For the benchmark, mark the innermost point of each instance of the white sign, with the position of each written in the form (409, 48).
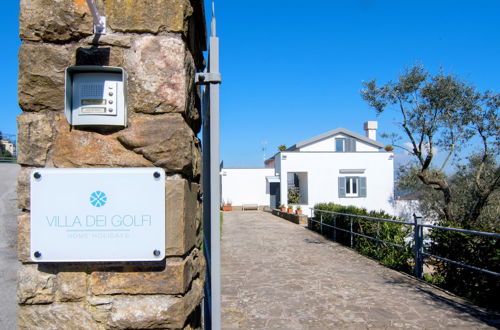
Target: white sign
(101, 214)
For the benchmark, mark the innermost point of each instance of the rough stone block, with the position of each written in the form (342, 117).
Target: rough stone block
(56, 316)
(100, 306)
(162, 311)
(151, 16)
(54, 21)
(182, 216)
(34, 286)
(175, 278)
(36, 136)
(71, 286)
(166, 140)
(115, 39)
(193, 103)
(76, 148)
(158, 79)
(23, 188)
(41, 75)
(23, 238)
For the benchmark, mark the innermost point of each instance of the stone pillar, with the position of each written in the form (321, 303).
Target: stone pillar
(159, 43)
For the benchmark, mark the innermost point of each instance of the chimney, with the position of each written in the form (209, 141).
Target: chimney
(371, 129)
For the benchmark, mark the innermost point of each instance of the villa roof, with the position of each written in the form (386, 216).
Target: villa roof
(326, 135)
(331, 133)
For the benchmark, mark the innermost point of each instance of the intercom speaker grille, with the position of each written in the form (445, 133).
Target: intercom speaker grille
(92, 90)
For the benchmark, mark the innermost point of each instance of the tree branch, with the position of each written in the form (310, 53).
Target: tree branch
(416, 152)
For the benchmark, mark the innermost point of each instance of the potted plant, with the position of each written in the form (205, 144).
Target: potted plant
(282, 147)
(298, 210)
(283, 208)
(227, 206)
(389, 148)
(290, 209)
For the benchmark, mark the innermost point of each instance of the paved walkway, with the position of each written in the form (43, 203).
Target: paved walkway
(276, 274)
(8, 245)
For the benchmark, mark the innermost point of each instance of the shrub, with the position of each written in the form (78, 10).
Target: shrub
(394, 257)
(294, 195)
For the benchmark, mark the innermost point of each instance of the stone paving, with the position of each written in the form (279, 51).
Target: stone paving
(276, 274)
(8, 245)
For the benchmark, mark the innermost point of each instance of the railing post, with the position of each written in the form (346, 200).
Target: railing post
(419, 266)
(378, 242)
(334, 227)
(351, 233)
(321, 222)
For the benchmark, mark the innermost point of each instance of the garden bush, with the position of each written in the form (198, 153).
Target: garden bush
(394, 257)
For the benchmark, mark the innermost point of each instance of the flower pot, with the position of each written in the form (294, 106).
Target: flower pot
(299, 211)
(227, 208)
(283, 209)
(290, 210)
(389, 148)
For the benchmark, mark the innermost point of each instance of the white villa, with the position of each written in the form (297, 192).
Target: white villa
(339, 166)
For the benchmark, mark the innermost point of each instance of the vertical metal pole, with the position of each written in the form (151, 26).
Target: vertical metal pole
(351, 233)
(211, 187)
(378, 242)
(334, 228)
(419, 266)
(207, 303)
(215, 183)
(321, 222)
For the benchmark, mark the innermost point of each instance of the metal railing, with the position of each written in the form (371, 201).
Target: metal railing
(8, 160)
(418, 237)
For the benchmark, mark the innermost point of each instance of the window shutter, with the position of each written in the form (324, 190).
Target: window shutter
(350, 145)
(362, 186)
(341, 187)
(339, 145)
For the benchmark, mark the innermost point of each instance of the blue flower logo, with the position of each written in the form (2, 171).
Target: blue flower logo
(98, 198)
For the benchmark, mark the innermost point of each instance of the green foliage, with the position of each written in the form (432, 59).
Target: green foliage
(478, 251)
(282, 147)
(6, 153)
(444, 112)
(394, 257)
(294, 195)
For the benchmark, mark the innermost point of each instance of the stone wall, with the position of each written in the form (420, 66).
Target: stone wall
(159, 44)
(300, 219)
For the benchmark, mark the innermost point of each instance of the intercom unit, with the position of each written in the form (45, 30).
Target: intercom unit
(96, 96)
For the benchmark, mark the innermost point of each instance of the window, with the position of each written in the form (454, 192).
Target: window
(352, 186)
(297, 188)
(339, 145)
(345, 145)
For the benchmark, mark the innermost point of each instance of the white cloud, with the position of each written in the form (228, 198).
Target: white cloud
(425, 148)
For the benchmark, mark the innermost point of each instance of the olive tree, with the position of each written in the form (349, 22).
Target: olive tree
(442, 112)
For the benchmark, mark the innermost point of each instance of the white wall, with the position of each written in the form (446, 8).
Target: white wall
(323, 171)
(245, 185)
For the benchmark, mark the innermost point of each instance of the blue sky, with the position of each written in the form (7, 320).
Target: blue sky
(293, 69)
